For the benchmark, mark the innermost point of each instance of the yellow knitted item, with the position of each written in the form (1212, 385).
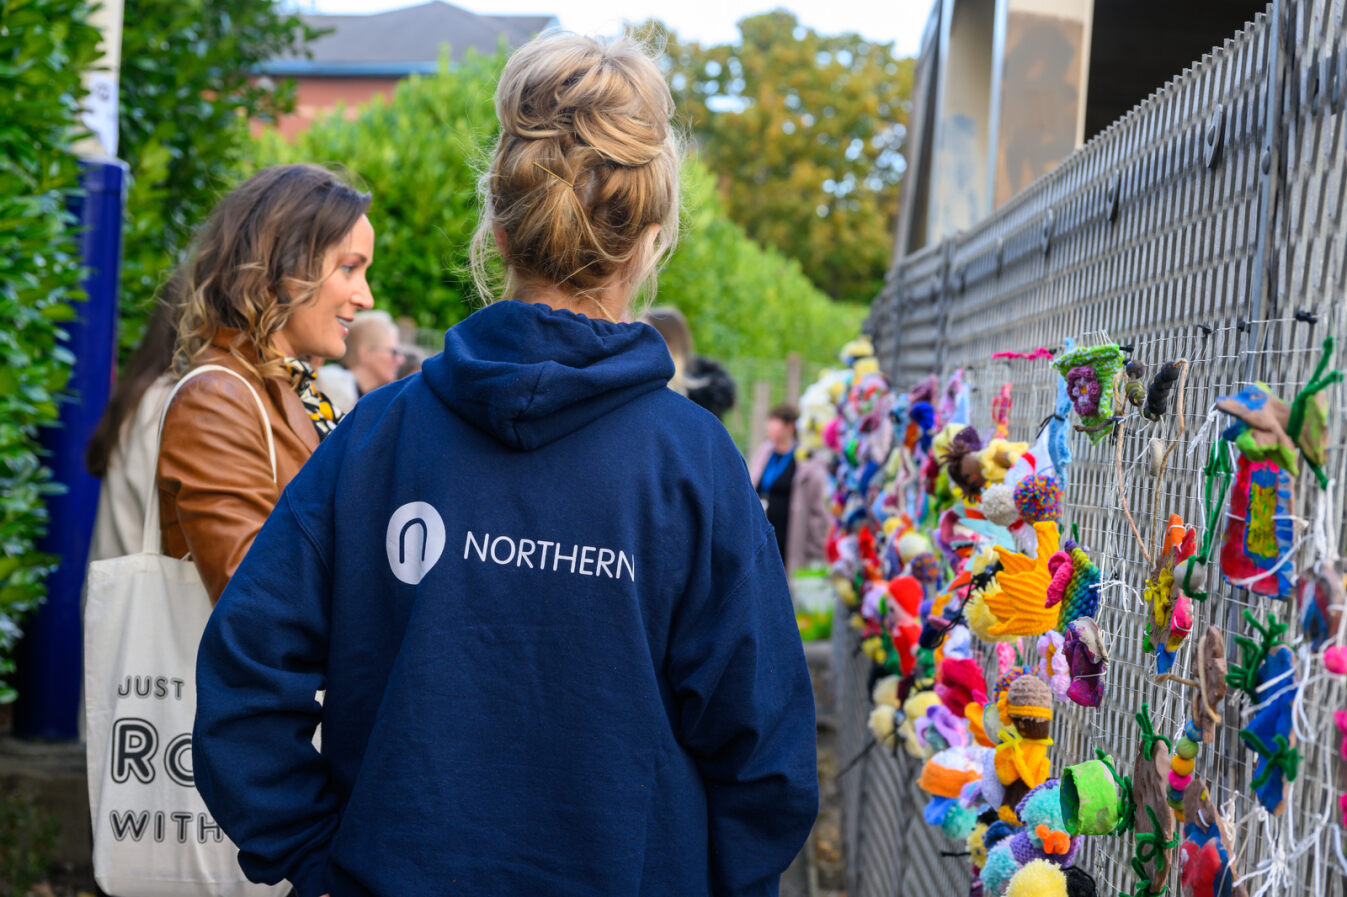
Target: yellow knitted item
(1037, 878)
(1024, 587)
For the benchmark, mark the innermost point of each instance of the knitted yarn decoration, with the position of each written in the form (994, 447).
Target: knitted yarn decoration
(1082, 591)
(1039, 498)
(1089, 372)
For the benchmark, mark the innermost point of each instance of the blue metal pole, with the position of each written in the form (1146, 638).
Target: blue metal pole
(50, 656)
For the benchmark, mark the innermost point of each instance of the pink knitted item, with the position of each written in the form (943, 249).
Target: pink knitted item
(1060, 566)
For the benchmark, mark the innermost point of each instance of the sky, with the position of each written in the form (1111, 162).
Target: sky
(707, 21)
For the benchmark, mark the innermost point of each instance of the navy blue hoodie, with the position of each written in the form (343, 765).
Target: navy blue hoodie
(553, 629)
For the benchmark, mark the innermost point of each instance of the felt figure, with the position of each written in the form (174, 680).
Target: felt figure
(1001, 412)
(1266, 674)
(1259, 429)
(1154, 820)
(963, 464)
(1270, 733)
(1090, 372)
(1307, 424)
(1170, 618)
(1021, 760)
(1322, 597)
(1259, 532)
(1089, 799)
(998, 457)
(1053, 666)
(1208, 870)
(1086, 661)
(1019, 602)
(1212, 687)
(1038, 878)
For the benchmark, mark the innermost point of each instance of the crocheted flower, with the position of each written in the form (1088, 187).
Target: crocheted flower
(1082, 385)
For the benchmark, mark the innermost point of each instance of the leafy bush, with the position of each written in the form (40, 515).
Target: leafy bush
(188, 94)
(44, 46)
(420, 154)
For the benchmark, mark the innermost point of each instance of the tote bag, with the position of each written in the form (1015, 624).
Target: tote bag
(153, 836)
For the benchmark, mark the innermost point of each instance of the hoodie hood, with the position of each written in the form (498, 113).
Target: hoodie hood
(529, 374)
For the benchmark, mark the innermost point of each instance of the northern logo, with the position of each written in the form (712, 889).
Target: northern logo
(415, 541)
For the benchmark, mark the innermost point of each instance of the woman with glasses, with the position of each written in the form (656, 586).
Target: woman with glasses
(372, 359)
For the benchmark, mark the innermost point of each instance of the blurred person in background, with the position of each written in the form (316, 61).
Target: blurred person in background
(124, 447)
(704, 381)
(373, 357)
(412, 357)
(793, 491)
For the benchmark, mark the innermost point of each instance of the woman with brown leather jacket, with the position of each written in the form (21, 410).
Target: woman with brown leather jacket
(276, 275)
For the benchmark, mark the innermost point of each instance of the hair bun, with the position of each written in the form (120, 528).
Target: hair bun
(608, 98)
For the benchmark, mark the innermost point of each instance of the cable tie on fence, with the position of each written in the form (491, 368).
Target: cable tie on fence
(1307, 317)
(858, 758)
(1206, 330)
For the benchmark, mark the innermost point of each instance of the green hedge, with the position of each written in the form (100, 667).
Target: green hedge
(420, 154)
(44, 47)
(188, 95)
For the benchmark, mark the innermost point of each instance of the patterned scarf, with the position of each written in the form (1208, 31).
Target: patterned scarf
(321, 411)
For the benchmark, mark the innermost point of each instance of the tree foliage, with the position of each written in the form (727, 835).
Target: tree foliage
(188, 94)
(44, 48)
(804, 131)
(420, 154)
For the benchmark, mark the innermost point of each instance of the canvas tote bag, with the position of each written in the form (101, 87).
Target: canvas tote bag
(153, 836)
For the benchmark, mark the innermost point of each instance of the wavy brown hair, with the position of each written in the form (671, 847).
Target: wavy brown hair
(586, 164)
(259, 257)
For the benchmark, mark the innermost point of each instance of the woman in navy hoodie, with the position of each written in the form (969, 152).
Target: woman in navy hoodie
(536, 585)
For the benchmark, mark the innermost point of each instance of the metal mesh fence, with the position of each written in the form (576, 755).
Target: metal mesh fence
(1206, 225)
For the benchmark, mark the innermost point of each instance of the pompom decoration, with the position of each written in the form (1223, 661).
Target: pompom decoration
(959, 821)
(926, 568)
(1000, 868)
(1039, 499)
(883, 724)
(998, 504)
(1037, 879)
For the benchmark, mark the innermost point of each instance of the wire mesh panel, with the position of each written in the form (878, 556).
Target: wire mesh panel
(1206, 227)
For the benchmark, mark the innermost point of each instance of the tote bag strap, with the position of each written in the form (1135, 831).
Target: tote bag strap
(152, 538)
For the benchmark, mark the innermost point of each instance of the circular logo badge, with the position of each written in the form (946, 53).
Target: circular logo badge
(415, 541)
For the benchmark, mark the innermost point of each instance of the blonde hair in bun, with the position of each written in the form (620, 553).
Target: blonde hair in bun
(584, 178)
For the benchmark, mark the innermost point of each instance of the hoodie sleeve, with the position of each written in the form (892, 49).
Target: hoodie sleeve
(259, 667)
(745, 706)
